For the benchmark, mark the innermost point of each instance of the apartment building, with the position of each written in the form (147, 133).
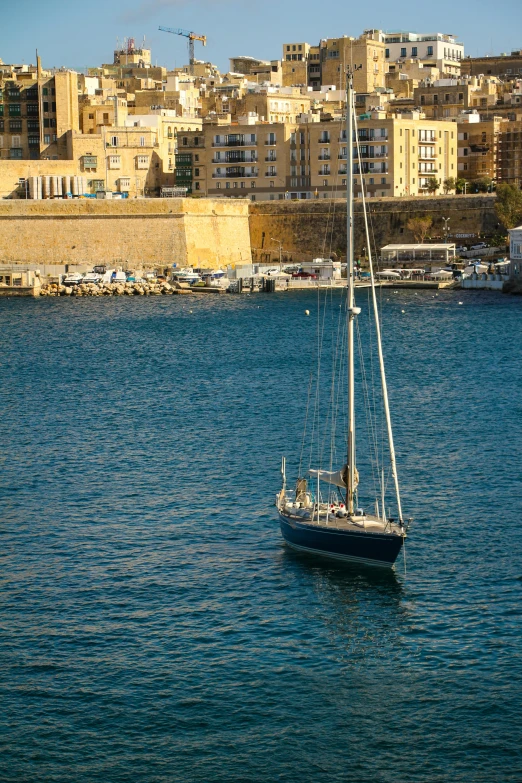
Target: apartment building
(270, 161)
(36, 110)
(439, 50)
(296, 61)
(325, 64)
(394, 156)
(477, 144)
(503, 66)
(509, 162)
(366, 54)
(447, 98)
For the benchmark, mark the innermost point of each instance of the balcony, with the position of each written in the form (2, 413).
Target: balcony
(240, 175)
(428, 156)
(324, 157)
(324, 173)
(270, 160)
(271, 143)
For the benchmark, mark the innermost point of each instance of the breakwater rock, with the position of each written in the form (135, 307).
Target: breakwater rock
(152, 288)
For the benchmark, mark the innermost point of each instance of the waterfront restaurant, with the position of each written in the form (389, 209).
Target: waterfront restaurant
(425, 254)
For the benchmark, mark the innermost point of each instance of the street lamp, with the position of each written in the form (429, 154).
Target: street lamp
(446, 228)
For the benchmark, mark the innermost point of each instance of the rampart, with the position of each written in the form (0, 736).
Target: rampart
(136, 232)
(311, 229)
(217, 232)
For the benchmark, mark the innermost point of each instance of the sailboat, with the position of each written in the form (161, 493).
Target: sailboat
(322, 516)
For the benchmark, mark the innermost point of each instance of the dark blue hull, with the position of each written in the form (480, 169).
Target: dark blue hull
(376, 549)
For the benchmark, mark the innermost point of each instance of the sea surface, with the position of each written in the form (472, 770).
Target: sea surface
(153, 626)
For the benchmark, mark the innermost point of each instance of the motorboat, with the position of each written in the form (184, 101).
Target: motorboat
(92, 277)
(74, 278)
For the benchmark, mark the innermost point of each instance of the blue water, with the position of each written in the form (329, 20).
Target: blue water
(153, 625)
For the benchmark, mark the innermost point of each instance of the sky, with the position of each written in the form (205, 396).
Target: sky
(78, 34)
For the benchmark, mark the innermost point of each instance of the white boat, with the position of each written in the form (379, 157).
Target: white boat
(323, 515)
(186, 275)
(92, 277)
(118, 276)
(75, 278)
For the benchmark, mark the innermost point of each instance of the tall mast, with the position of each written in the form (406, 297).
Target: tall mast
(351, 310)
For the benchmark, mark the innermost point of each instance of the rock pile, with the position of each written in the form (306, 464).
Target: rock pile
(152, 288)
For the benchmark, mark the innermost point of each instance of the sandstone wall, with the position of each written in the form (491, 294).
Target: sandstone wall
(309, 229)
(189, 232)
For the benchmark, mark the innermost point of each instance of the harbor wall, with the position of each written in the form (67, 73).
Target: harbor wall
(135, 232)
(316, 228)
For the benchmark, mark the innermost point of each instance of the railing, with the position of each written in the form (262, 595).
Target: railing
(270, 143)
(268, 159)
(324, 157)
(236, 176)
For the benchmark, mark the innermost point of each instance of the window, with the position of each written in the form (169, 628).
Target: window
(114, 141)
(15, 109)
(325, 183)
(45, 91)
(47, 138)
(403, 51)
(15, 154)
(46, 106)
(114, 161)
(272, 183)
(387, 53)
(218, 185)
(15, 125)
(196, 158)
(197, 186)
(227, 185)
(383, 180)
(252, 184)
(185, 141)
(142, 162)
(414, 51)
(142, 141)
(16, 141)
(430, 51)
(196, 172)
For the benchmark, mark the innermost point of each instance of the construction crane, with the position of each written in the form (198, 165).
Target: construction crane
(191, 38)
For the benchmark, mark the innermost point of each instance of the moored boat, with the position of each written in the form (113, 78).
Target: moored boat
(323, 516)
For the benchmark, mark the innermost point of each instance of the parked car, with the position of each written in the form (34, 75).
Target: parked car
(461, 248)
(479, 246)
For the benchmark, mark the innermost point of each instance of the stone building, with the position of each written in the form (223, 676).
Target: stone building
(446, 98)
(37, 108)
(503, 66)
(271, 161)
(433, 50)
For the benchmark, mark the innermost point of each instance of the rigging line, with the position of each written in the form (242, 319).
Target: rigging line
(335, 389)
(371, 351)
(305, 424)
(367, 408)
(375, 416)
(381, 359)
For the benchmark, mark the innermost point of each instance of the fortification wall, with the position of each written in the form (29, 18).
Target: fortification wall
(188, 232)
(310, 229)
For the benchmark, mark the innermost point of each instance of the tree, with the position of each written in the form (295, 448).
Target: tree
(482, 185)
(449, 184)
(432, 185)
(419, 227)
(508, 205)
(460, 185)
